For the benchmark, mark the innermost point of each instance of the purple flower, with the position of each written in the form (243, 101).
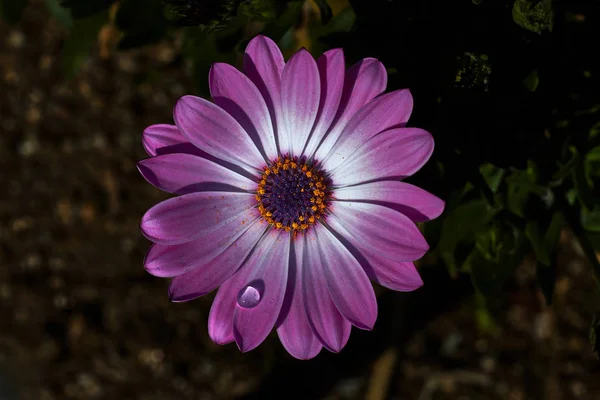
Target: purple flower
(290, 198)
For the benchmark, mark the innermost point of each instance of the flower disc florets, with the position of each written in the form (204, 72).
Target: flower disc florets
(292, 194)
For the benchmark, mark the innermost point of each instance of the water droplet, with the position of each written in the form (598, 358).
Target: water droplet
(271, 301)
(248, 297)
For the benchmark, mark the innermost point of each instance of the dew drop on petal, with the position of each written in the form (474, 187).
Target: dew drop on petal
(248, 297)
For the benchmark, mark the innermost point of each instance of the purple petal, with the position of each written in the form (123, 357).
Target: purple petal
(263, 64)
(390, 110)
(220, 319)
(216, 132)
(295, 332)
(185, 218)
(300, 94)
(169, 261)
(396, 275)
(185, 173)
(236, 94)
(252, 325)
(385, 230)
(166, 139)
(363, 82)
(401, 276)
(332, 329)
(214, 271)
(347, 282)
(396, 153)
(416, 203)
(331, 71)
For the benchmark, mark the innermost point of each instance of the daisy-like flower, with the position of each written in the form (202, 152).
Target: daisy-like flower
(290, 198)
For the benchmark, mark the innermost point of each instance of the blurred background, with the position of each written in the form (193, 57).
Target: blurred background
(509, 90)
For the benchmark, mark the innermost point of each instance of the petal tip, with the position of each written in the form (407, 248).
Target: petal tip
(219, 337)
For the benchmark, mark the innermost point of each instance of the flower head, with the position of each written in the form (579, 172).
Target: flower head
(290, 198)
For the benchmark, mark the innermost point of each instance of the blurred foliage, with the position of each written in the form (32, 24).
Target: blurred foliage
(535, 15)
(508, 88)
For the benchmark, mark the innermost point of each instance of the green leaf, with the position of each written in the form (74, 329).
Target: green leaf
(277, 28)
(497, 253)
(343, 21)
(61, 14)
(567, 168)
(533, 15)
(79, 42)
(462, 224)
(492, 175)
(582, 186)
(532, 231)
(532, 81)
(593, 156)
(521, 185)
(11, 10)
(590, 220)
(546, 274)
(557, 223)
(325, 10)
(488, 276)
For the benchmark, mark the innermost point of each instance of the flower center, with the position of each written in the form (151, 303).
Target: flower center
(292, 194)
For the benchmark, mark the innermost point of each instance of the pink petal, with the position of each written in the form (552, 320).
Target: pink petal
(348, 283)
(416, 203)
(185, 218)
(331, 71)
(295, 332)
(385, 230)
(387, 111)
(236, 94)
(251, 325)
(396, 275)
(213, 271)
(169, 261)
(300, 94)
(401, 276)
(166, 139)
(216, 132)
(181, 173)
(263, 64)
(396, 153)
(332, 329)
(220, 318)
(363, 82)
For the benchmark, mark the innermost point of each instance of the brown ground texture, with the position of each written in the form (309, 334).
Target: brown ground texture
(81, 319)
